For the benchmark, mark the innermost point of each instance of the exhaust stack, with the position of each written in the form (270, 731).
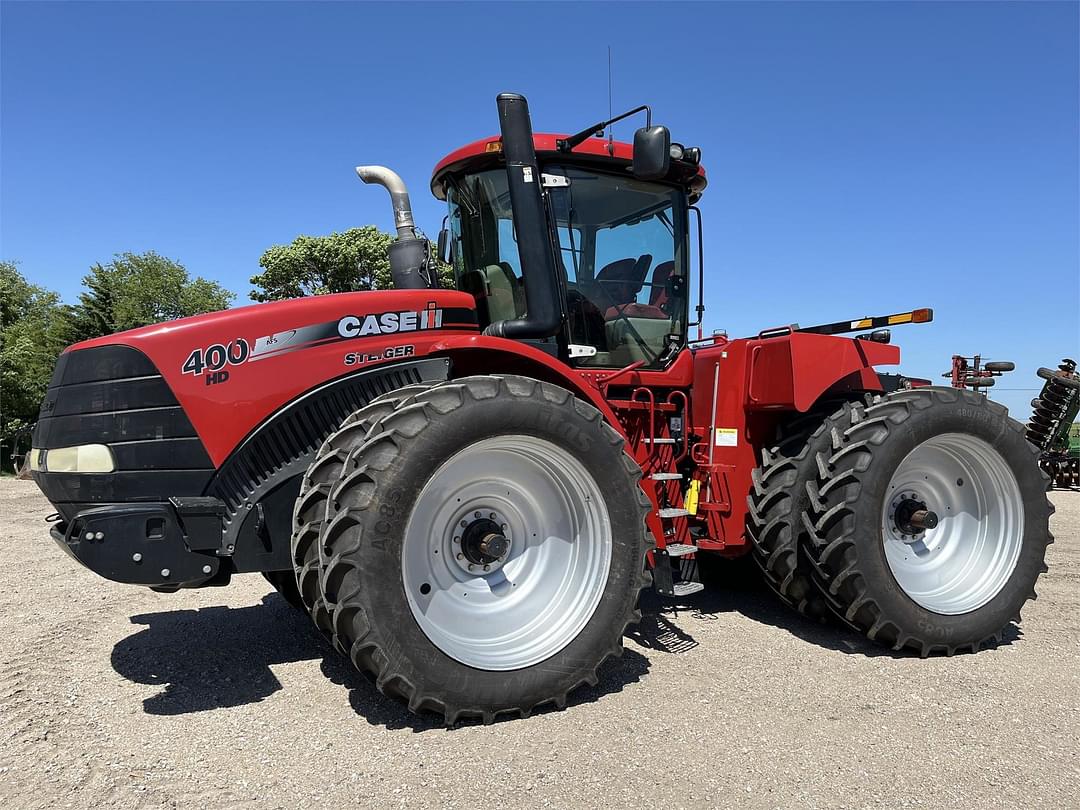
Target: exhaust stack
(544, 316)
(408, 253)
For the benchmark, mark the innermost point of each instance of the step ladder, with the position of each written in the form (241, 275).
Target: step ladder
(675, 566)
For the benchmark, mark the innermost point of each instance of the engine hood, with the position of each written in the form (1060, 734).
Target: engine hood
(231, 370)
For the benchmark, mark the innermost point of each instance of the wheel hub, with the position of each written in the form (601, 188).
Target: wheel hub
(911, 516)
(483, 545)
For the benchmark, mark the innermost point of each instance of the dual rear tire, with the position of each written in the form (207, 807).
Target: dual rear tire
(920, 519)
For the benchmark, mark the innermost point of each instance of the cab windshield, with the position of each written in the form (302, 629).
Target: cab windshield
(622, 250)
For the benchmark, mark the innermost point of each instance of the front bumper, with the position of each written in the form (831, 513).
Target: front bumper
(143, 544)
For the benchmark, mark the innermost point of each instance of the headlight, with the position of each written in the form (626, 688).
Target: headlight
(84, 458)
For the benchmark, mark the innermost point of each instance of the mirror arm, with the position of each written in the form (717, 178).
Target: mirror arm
(568, 144)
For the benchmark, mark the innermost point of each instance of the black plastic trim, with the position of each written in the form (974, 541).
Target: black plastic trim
(282, 447)
(110, 362)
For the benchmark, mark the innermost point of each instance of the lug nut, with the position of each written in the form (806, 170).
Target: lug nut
(476, 515)
(461, 556)
(88, 536)
(492, 516)
(137, 557)
(164, 572)
(464, 523)
(206, 569)
(99, 536)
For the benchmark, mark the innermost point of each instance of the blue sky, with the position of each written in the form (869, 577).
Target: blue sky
(863, 158)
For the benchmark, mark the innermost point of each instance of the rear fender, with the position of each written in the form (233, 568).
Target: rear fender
(794, 371)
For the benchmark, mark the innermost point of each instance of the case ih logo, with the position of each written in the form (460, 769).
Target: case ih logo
(215, 358)
(389, 323)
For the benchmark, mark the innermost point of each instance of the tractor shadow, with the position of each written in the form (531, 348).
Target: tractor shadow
(736, 586)
(221, 657)
(214, 657)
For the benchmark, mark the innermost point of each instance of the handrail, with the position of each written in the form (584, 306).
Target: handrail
(685, 425)
(604, 383)
(651, 401)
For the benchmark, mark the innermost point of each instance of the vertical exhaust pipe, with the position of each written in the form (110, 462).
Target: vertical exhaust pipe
(544, 316)
(408, 253)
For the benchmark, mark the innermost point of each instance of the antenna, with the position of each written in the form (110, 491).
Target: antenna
(610, 129)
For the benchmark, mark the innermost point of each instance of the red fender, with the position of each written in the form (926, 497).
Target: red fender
(483, 354)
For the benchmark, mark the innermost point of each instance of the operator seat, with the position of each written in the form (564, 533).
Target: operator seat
(620, 282)
(628, 323)
(497, 292)
(658, 294)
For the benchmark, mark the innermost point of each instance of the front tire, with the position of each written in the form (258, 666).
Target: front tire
(928, 521)
(302, 588)
(423, 610)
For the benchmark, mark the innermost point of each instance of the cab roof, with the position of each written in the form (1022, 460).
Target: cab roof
(487, 152)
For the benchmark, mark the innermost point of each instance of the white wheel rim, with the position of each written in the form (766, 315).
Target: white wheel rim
(537, 597)
(964, 562)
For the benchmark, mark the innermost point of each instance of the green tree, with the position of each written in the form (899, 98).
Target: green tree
(351, 261)
(137, 289)
(31, 336)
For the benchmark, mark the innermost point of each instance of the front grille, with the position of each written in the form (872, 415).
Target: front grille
(114, 395)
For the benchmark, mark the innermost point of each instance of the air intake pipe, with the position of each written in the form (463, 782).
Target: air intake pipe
(408, 253)
(544, 316)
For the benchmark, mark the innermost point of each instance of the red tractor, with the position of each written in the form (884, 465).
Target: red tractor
(468, 489)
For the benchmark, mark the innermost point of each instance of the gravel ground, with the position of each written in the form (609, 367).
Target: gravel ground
(117, 696)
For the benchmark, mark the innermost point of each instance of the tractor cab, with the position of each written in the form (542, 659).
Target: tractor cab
(615, 224)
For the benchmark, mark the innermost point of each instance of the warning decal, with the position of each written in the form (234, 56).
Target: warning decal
(727, 437)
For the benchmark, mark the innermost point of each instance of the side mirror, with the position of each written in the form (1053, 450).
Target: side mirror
(442, 250)
(652, 153)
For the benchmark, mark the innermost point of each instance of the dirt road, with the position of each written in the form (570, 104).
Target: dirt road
(117, 696)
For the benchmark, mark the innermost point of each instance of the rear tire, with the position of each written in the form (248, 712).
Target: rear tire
(501, 444)
(774, 510)
(943, 588)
